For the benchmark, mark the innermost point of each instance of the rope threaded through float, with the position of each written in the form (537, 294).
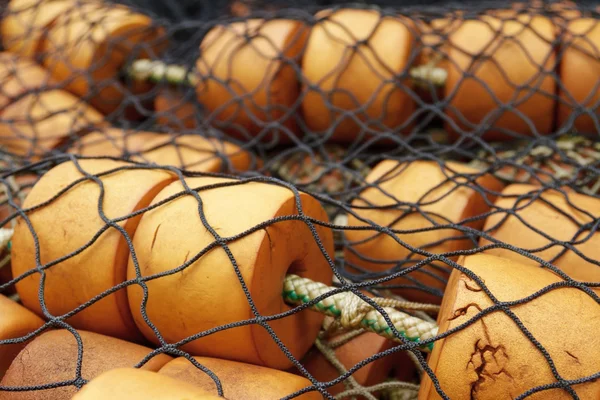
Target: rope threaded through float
(353, 312)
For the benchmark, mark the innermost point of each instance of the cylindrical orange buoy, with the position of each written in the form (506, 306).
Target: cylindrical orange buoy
(352, 62)
(445, 195)
(501, 59)
(560, 217)
(52, 358)
(15, 322)
(172, 109)
(239, 381)
(349, 354)
(249, 77)
(208, 293)
(189, 152)
(25, 23)
(71, 221)
(579, 72)
(493, 358)
(88, 46)
(19, 76)
(39, 122)
(134, 384)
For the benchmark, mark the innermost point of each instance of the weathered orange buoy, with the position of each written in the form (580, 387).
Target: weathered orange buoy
(87, 47)
(349, 354)
(492, 358)
(189, 152)
(559, 217)
(173, 234)
(247, 77)
(579, 71)
(52, 358)
(19, 76)
(133, 384)
(39, 122)
(172, 109)
(25, 23)
(444, 197)
(508, 58)
(239, 381)
(68, 223)
(15, 322)
(352, 62)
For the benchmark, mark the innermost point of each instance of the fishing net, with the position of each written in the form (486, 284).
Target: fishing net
(391, 199)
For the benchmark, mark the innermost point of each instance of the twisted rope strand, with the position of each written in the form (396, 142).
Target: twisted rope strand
(353, 312)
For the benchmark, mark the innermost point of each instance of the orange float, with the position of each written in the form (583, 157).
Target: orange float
(172, 109)
(239, 381)
(38, 123)
(15, 322)
(87, 47)
(189, 152)
(134, 384)
(52, 357)
(509, 59)
(247, 77)
(444, 197)
(559, 216)
(492, 358)
(173, 234)
(580, 69)
(25, 24)
(68, 223)
(352, 62)
(19, 76)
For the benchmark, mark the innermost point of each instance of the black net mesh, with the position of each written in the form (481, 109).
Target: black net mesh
(169, 168)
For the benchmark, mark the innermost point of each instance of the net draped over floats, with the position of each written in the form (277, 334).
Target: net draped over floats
(260, 199)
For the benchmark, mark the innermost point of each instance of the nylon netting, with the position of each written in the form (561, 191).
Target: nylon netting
(172, 172)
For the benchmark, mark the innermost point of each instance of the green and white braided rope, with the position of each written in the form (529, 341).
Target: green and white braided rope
(353, 312)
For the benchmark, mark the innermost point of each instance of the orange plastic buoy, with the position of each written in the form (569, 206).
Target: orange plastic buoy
(71, 221)
(248, 79)
(500, 59)
(579, 73)
(189, 152)
(135, 384)
(239, 381)
(349, 354)
(25, 24)
(172, 109)
(19, 76)
(559, 217)
(88, 46)
(173, 234)
(40, 122)
(493, 358)
(15, 322)
(52, 358)
(444, 197)
(352, 62)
